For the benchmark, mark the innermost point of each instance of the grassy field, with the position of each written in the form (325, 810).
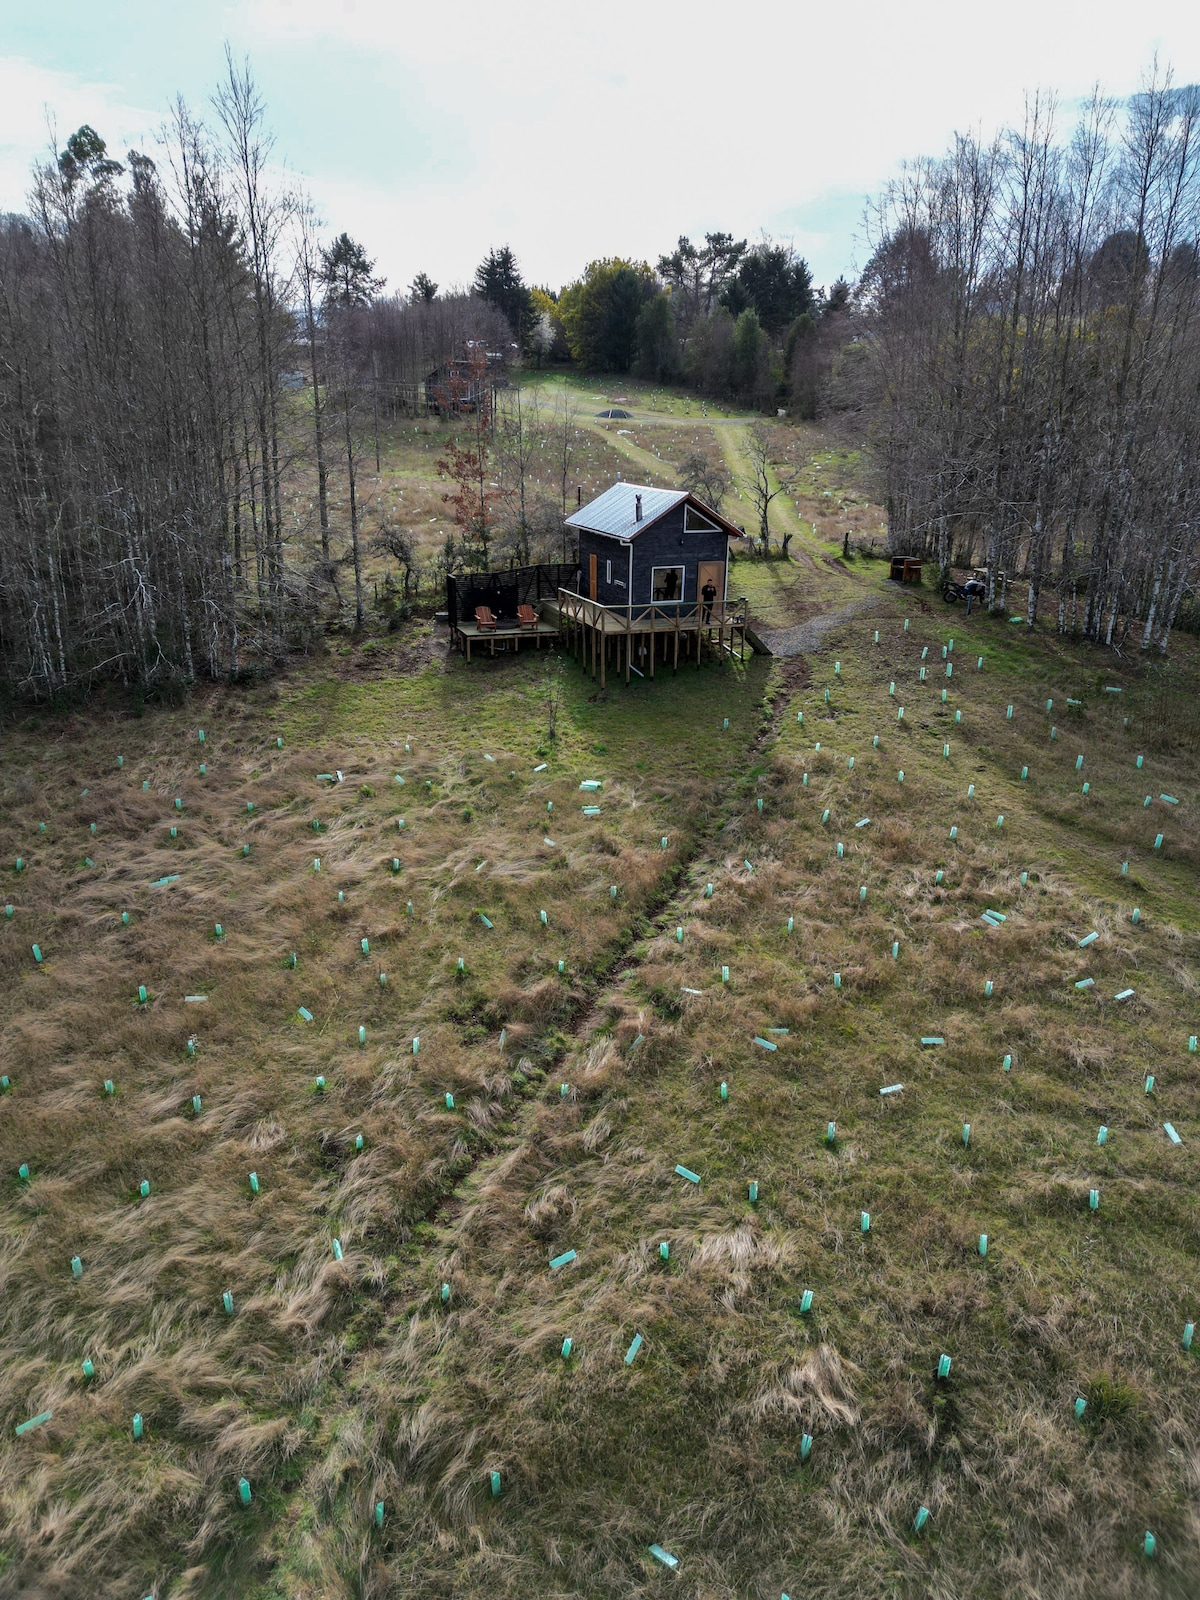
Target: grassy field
(395, 1333)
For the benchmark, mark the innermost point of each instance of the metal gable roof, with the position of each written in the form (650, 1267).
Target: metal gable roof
(615, 511)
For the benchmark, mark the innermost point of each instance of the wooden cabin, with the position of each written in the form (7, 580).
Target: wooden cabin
(646, 557)
(639, 545)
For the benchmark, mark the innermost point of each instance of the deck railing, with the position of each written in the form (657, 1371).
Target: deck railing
(650, 615)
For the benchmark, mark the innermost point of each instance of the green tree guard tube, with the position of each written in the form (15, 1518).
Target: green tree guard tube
(144, 1188)
(837, 980)
(567, 1345)
(37, 954)
(631, 1353)
(337, 1249)
(895, 949)
(218, 930)
(137, 1424)
(174, 833)
(495, 1481)
(1080, 1408)
(943, 1367)
(417, 1045)
(983, 1244)
(76, 1267)
(1094, 1199)
(358, 1141)
(1149, 1544)
(109, 1086)
(23, 1172)
(254, 1183)
(966, 1134)
(806, 1301)
(752, 1192)
(320, 1083)
(227, 1302)
(1189, 1330)
(921, 1518)
(244, 1494)
(862, 892)
(724, 1091)
(245, 849)
(89, 1370)
(664, 1251)
(449, 1102)
(708, 890)
(830, 1132)
(362, 1034)
(197, 1104)
(864, 1221)
(379, 1513)
(938, 876)
(445, 1293)
(1102, 1136)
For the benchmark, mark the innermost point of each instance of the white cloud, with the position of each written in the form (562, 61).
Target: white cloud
(571, 131)
(611, 128)
(40, 106)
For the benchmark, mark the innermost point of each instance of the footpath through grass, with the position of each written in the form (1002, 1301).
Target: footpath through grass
(511, 1113)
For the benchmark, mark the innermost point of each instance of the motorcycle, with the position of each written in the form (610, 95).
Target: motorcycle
(970, 591)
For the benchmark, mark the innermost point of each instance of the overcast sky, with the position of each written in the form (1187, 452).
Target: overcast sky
(433, 131)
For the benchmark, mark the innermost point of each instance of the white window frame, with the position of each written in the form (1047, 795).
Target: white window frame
(608, 571)
(669, 566)
(696, 522)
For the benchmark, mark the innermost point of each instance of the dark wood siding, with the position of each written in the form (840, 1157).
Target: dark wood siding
(606, 549)
(665, 544)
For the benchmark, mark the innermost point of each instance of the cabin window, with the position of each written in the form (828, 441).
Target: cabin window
(666, 583)
(608, 572)
(695, 522)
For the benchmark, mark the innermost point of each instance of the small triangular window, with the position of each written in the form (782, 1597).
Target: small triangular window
(696, 522)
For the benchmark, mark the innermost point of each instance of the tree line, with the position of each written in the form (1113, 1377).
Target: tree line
(1030, 324)
(143, 333)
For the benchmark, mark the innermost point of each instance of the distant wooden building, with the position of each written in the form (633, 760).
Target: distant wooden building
(463, 384)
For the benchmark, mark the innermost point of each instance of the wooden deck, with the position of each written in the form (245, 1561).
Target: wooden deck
(467, 634)
(639, 634)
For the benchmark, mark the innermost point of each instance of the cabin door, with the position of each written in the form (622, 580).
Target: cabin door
(714, 570)
(593, 585)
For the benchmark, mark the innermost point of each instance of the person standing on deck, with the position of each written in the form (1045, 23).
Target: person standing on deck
(708, 594)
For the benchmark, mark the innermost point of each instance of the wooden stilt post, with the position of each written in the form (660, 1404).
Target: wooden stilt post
(603, 657)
